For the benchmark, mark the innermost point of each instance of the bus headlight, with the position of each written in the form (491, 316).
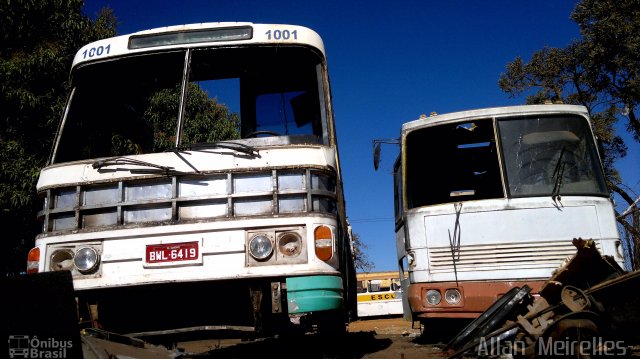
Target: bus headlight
(452, 296)
(290, 244)
(260, 247)
(61, 259)
(434, 297)
(86, 259)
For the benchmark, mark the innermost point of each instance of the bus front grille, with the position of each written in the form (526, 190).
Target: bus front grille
(501, 256)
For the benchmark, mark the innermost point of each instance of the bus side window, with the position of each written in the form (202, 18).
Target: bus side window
(362, 286)
(374, 285)
(385, 285)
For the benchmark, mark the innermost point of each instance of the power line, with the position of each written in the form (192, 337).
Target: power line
(368, 220)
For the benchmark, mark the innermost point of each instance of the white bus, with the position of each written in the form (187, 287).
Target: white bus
(195, 183)
(490, 199)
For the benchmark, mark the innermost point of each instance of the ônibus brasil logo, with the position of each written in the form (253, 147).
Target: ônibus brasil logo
(25, 346)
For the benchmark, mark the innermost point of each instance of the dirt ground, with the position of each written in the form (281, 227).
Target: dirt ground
(369, 339)
(366, 339)
(404, 341)
(383, 326)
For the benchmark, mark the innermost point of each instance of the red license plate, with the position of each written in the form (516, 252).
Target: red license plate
(172, 252)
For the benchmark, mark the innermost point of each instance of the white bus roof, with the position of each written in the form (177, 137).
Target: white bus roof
(237, 33)
(493, 112)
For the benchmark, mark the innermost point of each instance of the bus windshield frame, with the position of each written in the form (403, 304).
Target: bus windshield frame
(553, 155)
(141, 103)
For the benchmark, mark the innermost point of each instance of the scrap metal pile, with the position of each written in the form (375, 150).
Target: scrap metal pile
(589, 307)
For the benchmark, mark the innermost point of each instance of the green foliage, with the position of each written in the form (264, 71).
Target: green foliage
(600, 71)
(204, 119)
(611, 33)
(38, 40)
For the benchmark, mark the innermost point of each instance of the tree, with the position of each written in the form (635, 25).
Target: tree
(600, 71)
(361, 259)
(204, 121)
(37, 44)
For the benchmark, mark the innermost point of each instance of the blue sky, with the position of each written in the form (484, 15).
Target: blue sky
(389, 62)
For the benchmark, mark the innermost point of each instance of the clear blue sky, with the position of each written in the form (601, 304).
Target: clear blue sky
(389, 62)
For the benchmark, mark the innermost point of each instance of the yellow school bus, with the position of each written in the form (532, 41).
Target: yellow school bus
(379, 294)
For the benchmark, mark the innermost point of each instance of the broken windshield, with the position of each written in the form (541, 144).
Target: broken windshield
(131, 105)
(452, 162)
(543, 156)
(550, 156)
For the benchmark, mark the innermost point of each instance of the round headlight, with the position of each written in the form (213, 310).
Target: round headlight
(452, 296)
(86, 259)
(61, 260)
(260, 247)
(289, 244)
(433, 297)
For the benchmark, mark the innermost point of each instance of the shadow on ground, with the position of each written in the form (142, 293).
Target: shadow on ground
(352, 345)
(441, 331)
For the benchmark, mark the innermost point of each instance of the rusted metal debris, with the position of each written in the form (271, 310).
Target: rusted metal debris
(98, 344)
(588, 307)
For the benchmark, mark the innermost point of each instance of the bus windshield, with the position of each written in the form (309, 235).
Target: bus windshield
(553, 155)
(131, 105)
(542, 156)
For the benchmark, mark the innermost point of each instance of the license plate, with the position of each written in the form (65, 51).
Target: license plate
(182, 253)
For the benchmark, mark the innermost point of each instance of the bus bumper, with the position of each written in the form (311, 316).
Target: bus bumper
(475, 297)
(314, 293)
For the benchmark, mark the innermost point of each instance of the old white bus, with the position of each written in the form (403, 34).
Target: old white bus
(195, 183)
(490, 199)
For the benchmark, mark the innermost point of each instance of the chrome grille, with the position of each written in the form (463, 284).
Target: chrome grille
(183, 198)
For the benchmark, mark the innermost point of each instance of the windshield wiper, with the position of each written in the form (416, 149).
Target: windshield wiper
(558, 174)
(99, 164)
(454, 242)
(168, 170)
(234, 146)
